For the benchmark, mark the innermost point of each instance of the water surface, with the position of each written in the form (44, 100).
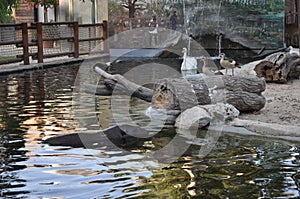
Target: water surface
(38, 104)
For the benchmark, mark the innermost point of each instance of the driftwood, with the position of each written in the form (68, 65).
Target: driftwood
(264, 53)
(98, 90)
(120, 85)
(279, 67)
(181, 94)
(174, 95)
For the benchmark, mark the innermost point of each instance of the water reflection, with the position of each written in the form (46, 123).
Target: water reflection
(31, 106)
(38, 104)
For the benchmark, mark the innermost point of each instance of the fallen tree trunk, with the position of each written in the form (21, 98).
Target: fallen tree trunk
(264, 53)
(279, 67)
(181, 94)
(120, 85)
(98, 90)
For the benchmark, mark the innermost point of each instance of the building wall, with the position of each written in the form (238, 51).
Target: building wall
(83, 12)
(68, 10)
(21, 14)
(64, 11)
(102, 10)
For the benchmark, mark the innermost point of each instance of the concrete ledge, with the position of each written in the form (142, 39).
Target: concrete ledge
(53, 62)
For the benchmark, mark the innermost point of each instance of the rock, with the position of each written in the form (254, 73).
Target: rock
(123, 136)
(195, 117)
(202, 115)
(267, 129)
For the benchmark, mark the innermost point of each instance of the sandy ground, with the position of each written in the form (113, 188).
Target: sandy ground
(282, 104)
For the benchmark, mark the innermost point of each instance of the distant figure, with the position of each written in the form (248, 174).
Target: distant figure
(173, 21)
(153, 31)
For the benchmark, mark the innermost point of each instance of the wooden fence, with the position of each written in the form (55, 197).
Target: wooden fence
(19, 42)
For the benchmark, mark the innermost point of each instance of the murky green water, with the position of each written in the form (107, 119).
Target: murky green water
(38, 104)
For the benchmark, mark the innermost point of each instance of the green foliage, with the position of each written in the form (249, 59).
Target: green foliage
(115, 11)
(6, 58)
(6, 7)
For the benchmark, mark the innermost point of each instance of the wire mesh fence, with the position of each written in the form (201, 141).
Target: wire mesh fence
(90, 38)
(44, 40)
(53, 36)
(8, 35)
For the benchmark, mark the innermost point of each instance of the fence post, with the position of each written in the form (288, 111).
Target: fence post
(298, 21)
(105, 31)
(39, 33)
(76, 40)
(25, 43)
(105, 35)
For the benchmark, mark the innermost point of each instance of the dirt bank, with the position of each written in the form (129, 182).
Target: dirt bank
(282, 104)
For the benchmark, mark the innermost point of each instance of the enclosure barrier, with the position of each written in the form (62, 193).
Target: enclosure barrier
(19, 42)
(11, 37)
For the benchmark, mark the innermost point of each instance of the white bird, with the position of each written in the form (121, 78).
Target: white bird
(294, 51)
(227, 64)
(189, 64)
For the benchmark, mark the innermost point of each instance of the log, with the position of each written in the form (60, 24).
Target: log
(279, 67)
(120, 85)
(264, 53)
(97, 90)
(120, 90)
(176, 94)
(181, 94)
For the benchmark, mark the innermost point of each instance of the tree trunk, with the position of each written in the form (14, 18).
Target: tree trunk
(178, 94)
(279, 67)
(119, 85)
(181, 94)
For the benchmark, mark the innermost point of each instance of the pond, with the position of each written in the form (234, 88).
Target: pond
(38, 104)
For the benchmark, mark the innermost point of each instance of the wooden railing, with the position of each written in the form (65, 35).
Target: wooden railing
(19, 42)
(15, 41)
